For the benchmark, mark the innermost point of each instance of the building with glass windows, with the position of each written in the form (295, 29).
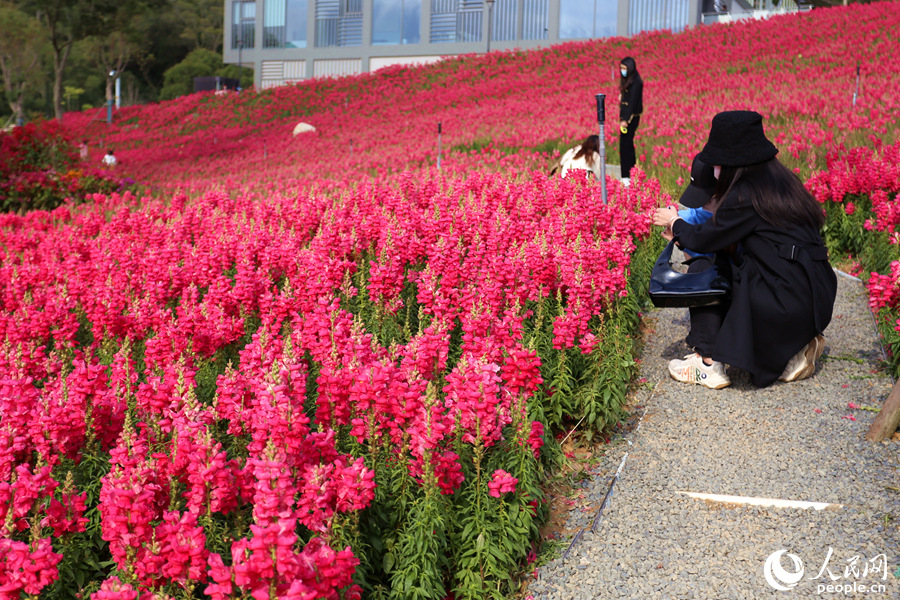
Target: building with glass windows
(290, 40)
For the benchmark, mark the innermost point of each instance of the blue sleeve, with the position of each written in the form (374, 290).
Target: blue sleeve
(734, 222)
(694, 216)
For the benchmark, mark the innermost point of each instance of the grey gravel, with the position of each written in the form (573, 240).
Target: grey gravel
(788, 441)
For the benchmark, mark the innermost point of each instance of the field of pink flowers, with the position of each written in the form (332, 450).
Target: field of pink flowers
(319, 367)
(253, 369)
(499, 111)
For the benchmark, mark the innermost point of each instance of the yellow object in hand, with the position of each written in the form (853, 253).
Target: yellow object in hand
(624, 128)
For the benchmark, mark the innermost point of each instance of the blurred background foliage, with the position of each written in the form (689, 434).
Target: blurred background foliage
(56, 55)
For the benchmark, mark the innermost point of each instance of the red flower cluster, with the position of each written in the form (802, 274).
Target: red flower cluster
(501, 483)
(873, 174)
(884, 290)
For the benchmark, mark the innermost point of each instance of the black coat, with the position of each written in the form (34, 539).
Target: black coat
(632, 101)
(783, 287)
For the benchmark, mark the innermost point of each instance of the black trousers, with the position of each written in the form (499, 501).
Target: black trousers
(706, 321)
(626, 147)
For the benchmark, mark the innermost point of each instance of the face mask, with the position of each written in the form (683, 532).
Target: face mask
(624, 72)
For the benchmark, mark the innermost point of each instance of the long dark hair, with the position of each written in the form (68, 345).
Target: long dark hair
(589, 146)
(775, 192)
(625, 82)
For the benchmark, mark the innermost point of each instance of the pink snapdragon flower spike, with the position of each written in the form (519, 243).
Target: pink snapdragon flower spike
(114, 589)
(27, 568)
(501, 483)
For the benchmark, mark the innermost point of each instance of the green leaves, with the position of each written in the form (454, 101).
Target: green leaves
(421, 552)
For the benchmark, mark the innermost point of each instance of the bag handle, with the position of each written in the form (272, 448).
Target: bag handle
(665, 259)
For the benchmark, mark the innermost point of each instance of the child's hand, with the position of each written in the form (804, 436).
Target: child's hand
(667, 234)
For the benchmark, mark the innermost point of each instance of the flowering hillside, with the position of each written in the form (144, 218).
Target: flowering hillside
(799, 71)
(319, 367)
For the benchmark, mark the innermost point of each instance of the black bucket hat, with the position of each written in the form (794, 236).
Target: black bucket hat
(736, 139)
(702, 186)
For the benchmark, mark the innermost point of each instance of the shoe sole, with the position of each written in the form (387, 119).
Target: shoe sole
(722, 385)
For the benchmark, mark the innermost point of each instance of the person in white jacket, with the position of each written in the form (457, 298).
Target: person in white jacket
(583, 157)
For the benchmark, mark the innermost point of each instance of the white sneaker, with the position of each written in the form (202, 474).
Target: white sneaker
(693, 370)
(803, 364)
(626, 181)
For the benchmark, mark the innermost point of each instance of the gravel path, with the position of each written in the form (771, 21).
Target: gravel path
(789, 441)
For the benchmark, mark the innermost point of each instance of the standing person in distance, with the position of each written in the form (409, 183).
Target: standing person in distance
(631, 105)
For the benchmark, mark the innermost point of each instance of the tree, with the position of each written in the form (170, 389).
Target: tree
(202, 23)
(164, 32)
(84, 40)
(62, 21)
(70, 21)
(21, 50)
(179, 80)
(72, 94)
(66, 22)
(110, 54)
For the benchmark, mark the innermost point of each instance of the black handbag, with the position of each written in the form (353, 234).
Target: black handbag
(669, 288)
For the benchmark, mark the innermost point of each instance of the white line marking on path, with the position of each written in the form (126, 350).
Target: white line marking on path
(776, 502)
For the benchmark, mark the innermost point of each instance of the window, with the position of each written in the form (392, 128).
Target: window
(534, 25)
(297, 21)
(396, 21)
(456, 20)
(648, 15)
(338, 23)
(579, 19)
(505, 13)
(284, 24)
(243, 25)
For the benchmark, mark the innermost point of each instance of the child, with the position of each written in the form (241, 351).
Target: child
(706, 320)
(109, 159)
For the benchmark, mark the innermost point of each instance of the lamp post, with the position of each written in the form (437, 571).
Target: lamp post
(240, 45)
(490, 5)
(240, 49)
(601, 122)
(109, 101)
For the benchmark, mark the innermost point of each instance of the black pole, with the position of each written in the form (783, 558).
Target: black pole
(240, 46)
(490, 4)
(856, 93)
(601, 120)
